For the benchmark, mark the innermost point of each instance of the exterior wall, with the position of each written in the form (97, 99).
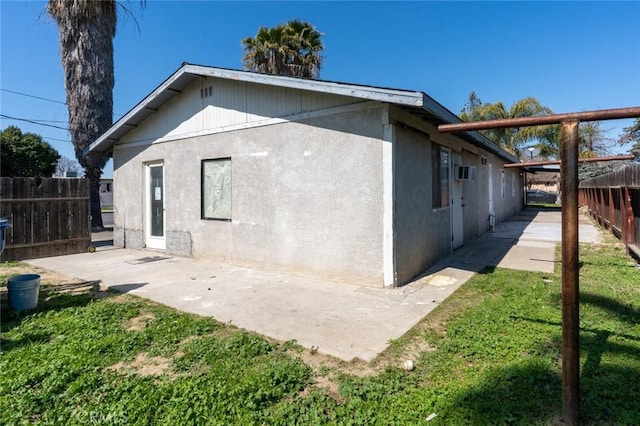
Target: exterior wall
(511, 200)
(422, 233)
(306, 195)
(310, 179)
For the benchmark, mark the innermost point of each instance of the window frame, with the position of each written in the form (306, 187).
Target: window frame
(440, 175)
(203, 190)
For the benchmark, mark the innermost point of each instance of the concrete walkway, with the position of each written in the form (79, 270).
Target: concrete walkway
(342, 320)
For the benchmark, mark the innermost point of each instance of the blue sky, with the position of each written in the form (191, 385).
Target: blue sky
(572, 56)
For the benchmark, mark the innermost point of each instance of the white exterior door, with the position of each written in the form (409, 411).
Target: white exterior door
(155, 217)
(457, 202)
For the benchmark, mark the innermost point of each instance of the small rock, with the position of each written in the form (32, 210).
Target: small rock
(431, 416)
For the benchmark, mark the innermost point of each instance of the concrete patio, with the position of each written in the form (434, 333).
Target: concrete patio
(342, 320)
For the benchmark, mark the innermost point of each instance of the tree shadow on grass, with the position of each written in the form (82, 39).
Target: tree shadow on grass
(532, 394)
(527, 393)
(47, 301)
(624, 311)
(610, 367)
(50, 298)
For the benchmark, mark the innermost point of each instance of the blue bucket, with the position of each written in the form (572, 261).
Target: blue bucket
(24, 291)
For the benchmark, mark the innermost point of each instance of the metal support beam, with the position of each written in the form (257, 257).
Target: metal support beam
(570, 275)
(581, 160)
(604, 114)
(570, 249)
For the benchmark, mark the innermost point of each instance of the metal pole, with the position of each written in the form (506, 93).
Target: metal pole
(570, 266)
(604, 114)
(570, 275)
(581, 160)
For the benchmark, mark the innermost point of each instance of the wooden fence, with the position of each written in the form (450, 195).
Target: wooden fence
(613, 200)
(49, 217)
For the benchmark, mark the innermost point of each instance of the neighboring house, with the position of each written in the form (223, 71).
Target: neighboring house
(340, 181)
(544, 181)
(106, 192)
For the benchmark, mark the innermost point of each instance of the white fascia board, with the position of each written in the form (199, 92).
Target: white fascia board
(105, 142)
(105, 138)
(401, 97)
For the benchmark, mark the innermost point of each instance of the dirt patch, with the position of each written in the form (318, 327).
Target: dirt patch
(222, 332)
(327, 371)
(46, 276)
(145, 365)
(319, 362)
(138, 323)
(50, 281)
(415, 348)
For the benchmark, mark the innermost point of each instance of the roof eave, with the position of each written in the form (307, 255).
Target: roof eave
(476, 138)
(184, 75)
(151, 103)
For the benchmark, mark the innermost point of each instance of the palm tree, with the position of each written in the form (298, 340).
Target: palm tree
(86, 31)
(593, 140)
(511, 139)
(293, 49)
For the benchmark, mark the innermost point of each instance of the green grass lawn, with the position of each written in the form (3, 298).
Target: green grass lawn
(548, 206)
(490, 354)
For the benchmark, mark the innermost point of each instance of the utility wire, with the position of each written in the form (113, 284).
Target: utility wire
(43, 99)
(41, 120)
(34, 122)
(48, 121)
(39, 124)
(33, 96)
(56, 139)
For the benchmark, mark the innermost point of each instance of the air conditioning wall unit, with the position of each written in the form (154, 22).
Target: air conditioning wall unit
(466, 173)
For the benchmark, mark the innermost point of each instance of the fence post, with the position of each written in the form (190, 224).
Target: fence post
(612, 211)
(629, 219)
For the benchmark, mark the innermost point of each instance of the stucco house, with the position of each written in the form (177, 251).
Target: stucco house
(334, 180)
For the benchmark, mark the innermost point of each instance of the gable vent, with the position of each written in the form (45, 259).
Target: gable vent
(205, 92)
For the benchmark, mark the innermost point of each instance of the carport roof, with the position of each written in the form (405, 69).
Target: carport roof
(418, 104)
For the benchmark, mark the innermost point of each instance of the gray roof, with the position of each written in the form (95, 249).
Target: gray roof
(416, 103)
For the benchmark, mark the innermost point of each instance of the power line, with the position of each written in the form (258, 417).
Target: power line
(33, 96)
(56, 139)
(34, 122)
(39, 124)
(48, 121)
(43, 99)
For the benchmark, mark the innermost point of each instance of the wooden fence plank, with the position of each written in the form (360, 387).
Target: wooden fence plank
(620, 203)
(48, 217)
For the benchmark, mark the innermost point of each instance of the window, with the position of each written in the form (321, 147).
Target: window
(439, 176)
(216, 189)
